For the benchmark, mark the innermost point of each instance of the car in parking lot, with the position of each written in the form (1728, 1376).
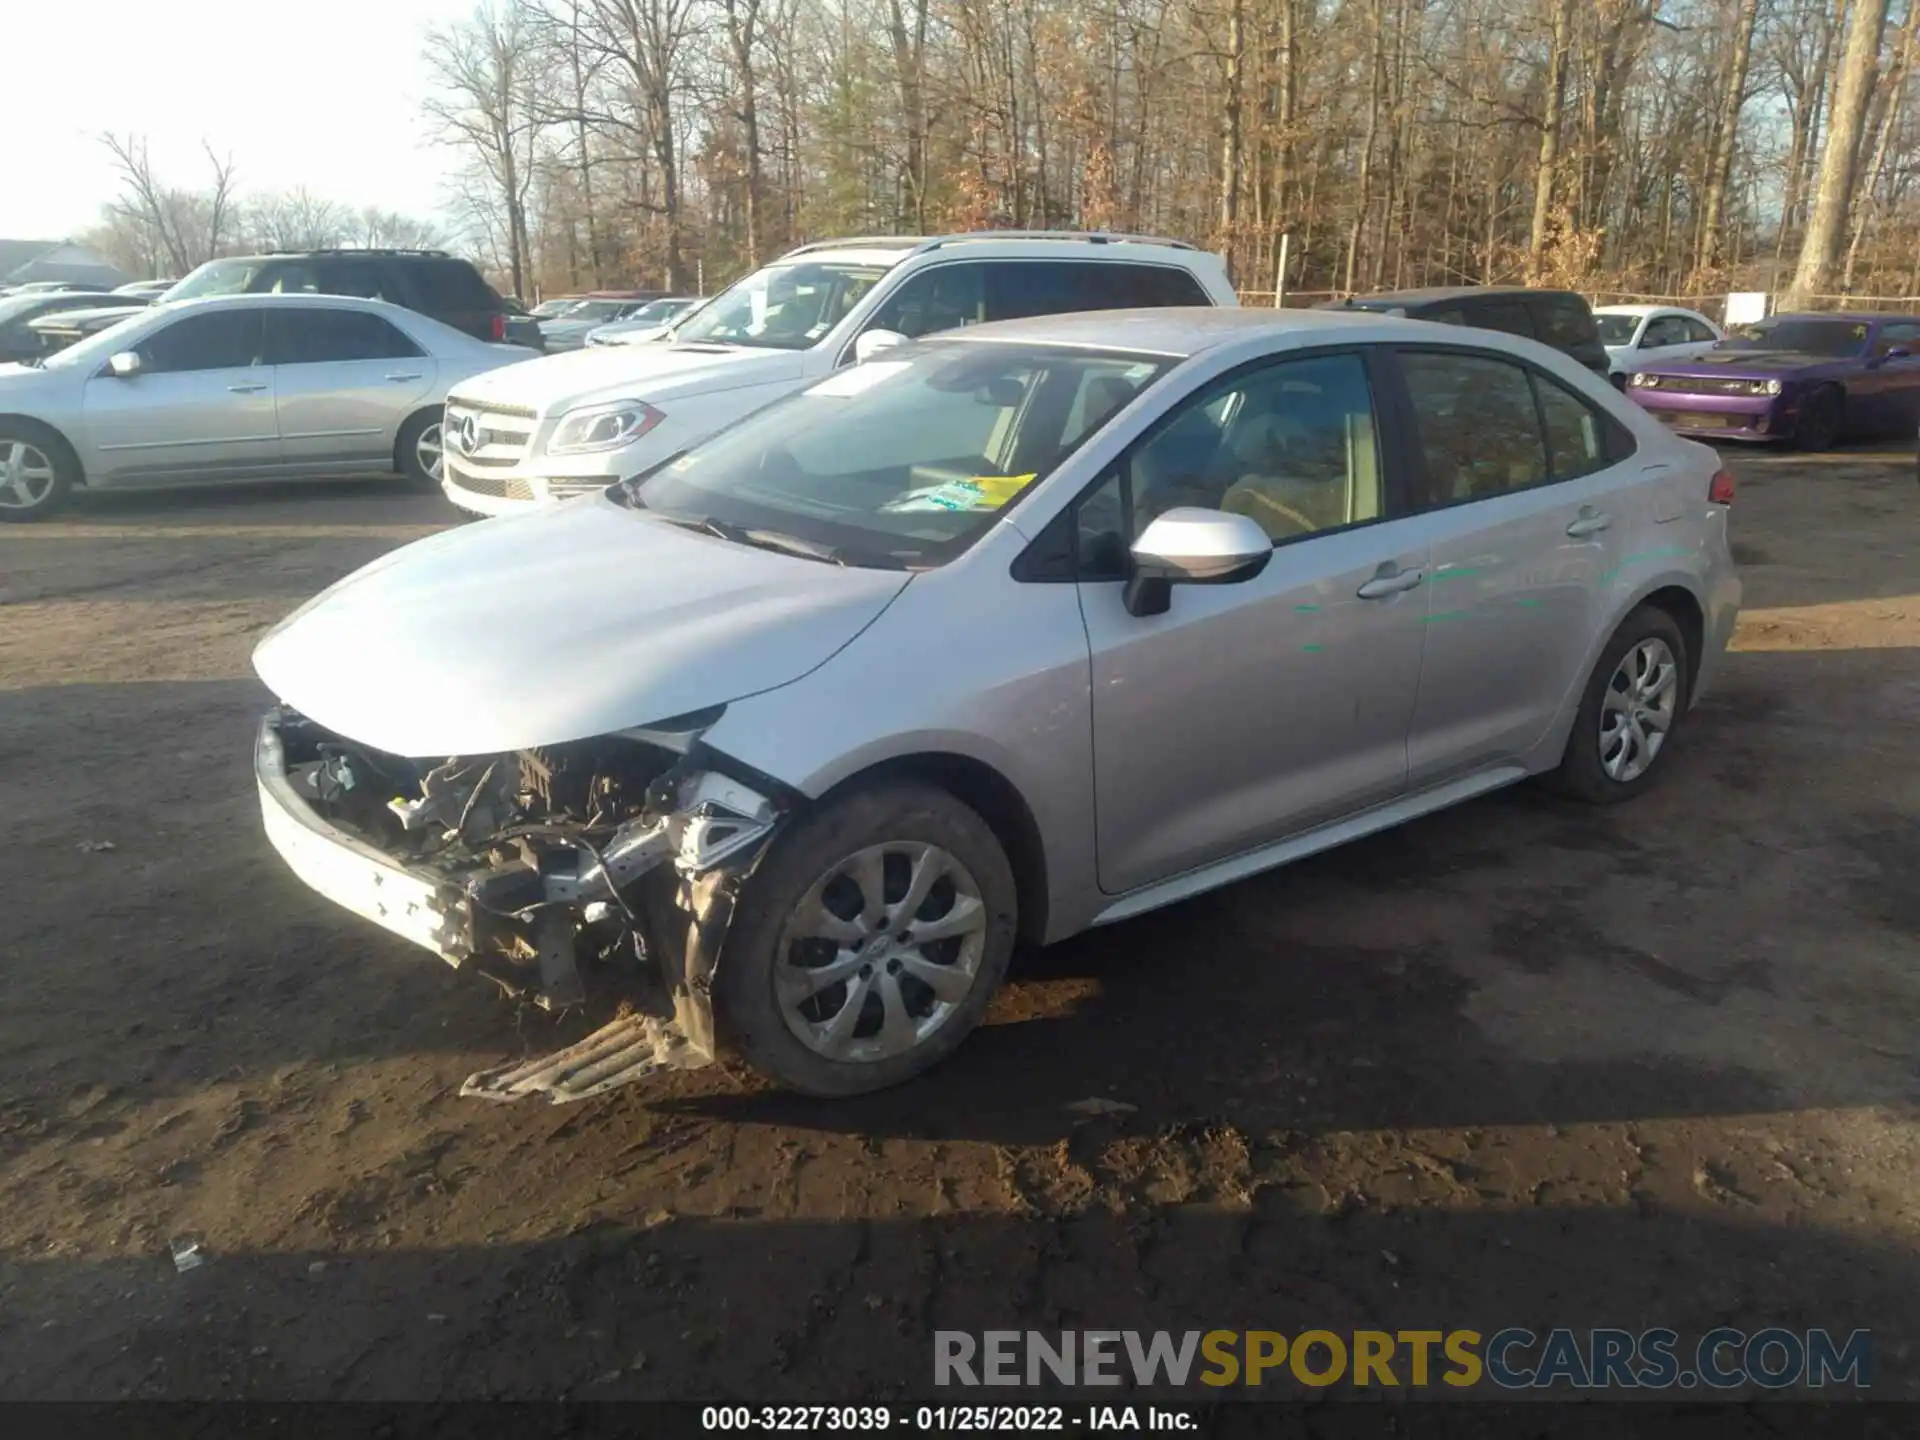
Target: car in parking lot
(651, 321)
(1636, 336)
(19, 338)
(569, 329)
(432, 282)
(576, 423)
(233, 388)
(1812, 380)
(54, 331)
(1018, 630)
(1558, 318)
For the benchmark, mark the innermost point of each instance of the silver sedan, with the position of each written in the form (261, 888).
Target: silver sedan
(234, 388)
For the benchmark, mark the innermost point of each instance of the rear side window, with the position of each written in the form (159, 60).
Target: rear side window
(1017, 289)
(1509, 316)
(1565, 321)
(449, 286)
(1445, 315)
(1478, 428)
(1576, 435)
(316, 336)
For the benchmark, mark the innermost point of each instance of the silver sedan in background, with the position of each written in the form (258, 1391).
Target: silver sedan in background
(234, 388)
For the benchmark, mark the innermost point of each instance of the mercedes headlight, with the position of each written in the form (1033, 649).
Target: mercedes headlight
(1643, 381)
(603, 427)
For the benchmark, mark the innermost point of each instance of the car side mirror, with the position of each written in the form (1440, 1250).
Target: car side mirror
(873, 342)
(1191, 546)
(1899, 352)
(125, 364)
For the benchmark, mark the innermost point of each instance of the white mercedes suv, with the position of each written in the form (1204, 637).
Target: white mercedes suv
(569, 424)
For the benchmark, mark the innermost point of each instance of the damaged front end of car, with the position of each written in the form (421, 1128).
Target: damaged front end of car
(595, 871)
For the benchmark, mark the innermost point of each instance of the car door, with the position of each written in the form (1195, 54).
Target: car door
(1249, 712)
(345, 381)
(1893, 382)
(1532, 498)
(199, 409)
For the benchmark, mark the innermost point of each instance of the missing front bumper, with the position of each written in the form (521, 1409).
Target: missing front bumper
(660, 889)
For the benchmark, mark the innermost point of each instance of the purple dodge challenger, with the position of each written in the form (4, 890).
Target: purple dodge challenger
(1810, 379)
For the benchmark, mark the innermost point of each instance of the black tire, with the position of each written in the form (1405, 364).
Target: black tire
(747, 1010)
(406, 451)
(1581, 775)
(1821, 416)
(36, 440)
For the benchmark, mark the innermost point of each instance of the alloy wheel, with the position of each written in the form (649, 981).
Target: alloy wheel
(26, 476)
(430, 451)
(1642, 696)
(880, 951)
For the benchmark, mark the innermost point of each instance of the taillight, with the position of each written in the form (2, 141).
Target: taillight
(1720, 488)
(499, 327)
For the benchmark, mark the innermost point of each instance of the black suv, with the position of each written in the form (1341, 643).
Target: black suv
(1554, 317)
(430, 281)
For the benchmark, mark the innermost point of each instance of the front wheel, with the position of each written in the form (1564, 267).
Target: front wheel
(867, 945)
(1821, 415)
(419, 453)
(1633, 702)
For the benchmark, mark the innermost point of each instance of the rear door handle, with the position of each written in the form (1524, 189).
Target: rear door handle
(411, 376)
(1397, 583)
(246, 389)
(1589, 524)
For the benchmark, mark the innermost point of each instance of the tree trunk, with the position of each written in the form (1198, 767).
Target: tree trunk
(1726, 135)
(1376, 66)
(1891, 102)
(1231, 137)
(1556, 100)
(1839, 166)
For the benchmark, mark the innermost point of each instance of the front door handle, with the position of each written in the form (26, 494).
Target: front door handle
(411, 376)
(1589, 523)
(253, 389)
(1397, 583)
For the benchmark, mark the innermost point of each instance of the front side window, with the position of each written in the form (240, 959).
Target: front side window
(1699, 332)
(219, 340)
(1897, 337)
(902, 462)
(1836, 339)
(359, 279)
(317, 336)
(782, 307)
(1667, 330)
(1292, 444)
(1478, 429)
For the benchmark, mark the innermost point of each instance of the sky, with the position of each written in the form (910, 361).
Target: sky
(325, 95)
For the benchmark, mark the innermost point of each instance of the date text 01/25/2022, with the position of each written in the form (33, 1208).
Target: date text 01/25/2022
(937, 1419)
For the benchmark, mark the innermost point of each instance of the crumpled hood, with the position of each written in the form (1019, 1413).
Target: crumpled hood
(565, 622)
(655, 373)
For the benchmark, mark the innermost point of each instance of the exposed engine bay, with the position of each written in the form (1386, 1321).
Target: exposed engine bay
(600, 870)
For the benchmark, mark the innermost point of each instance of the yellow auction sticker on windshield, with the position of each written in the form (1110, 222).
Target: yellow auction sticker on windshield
(978, 492)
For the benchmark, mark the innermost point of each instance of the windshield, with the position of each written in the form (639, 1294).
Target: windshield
(783, 307)
(901, 462)
(1837, 338)
(554, 309)
(599, 310)
(217, 277)
(658, 312)
(95, 349)
(1616, 329)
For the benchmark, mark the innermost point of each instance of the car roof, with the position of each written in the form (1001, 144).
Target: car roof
(1185, 331)
(1856, 317)
(1435, 293)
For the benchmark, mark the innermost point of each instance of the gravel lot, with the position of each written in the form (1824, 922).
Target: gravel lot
(1520, 1063)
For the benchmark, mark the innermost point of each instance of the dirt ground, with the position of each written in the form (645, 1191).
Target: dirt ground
(1518, 1064)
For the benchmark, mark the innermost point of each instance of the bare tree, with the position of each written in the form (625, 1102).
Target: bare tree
(178, 229)
(1839, 165)
(484, 67)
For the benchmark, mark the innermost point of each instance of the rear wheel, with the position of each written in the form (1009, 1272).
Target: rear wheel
(1821, 415)
(868, 943)
(37, 471)
(1634, 700)
(418, 453)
